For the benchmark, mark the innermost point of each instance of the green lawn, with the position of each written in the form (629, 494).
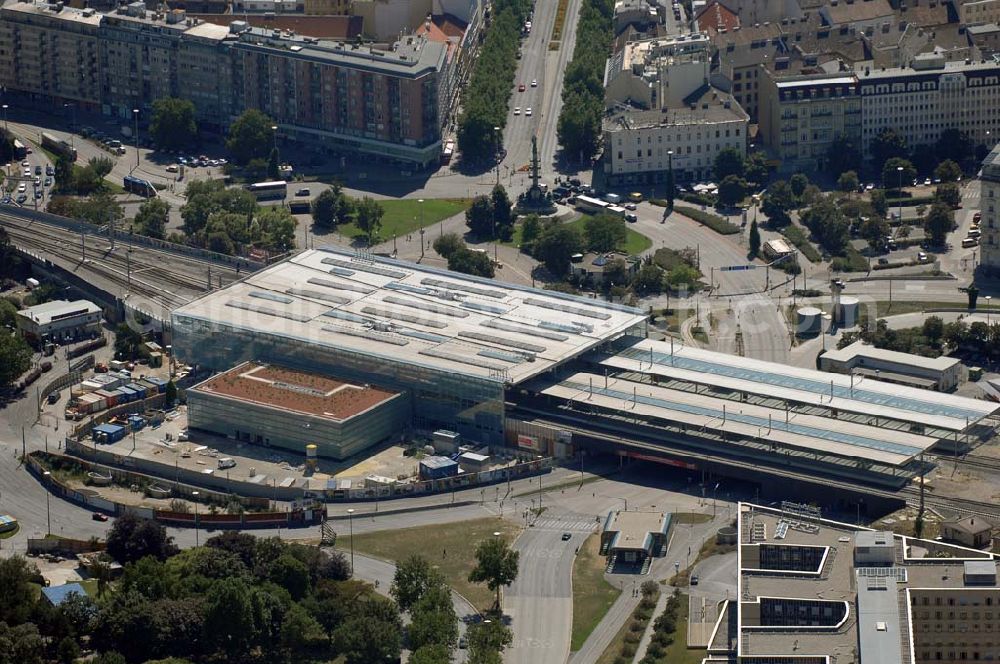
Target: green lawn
(403, 215)
(90, 585)
(449, 547)
(592, 594)
(690, 517)
(635, 242)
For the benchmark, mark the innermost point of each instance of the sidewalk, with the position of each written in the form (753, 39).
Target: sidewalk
(647, 636)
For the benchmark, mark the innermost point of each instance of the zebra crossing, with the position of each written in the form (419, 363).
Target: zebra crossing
(580, 523)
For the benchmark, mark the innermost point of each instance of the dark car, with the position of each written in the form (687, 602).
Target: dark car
(566, 536)
(302, 192)
(694, 579)
(97, 516)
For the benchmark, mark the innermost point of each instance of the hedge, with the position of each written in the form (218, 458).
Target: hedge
(797, 236)
(718, 224)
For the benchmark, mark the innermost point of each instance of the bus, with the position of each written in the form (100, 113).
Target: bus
(590, 204)
(448, 152)
(58, 146)
(139, 187)
(20, 149)
(268, 190)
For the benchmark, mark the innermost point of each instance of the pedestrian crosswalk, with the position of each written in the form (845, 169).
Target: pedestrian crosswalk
(569, 522)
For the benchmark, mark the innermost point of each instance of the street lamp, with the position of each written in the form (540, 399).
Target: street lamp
(899, 192)
(670, 179)
(826, 318)
(72, 126)
(194, 494)
(48, 512)
(5, 107)
(135, 118)
(496, 137)
(350, 517)
(988, 298)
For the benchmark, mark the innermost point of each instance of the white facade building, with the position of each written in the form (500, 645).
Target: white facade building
(989, 242)
(922, 100)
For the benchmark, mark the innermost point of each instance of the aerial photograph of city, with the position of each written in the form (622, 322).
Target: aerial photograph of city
(499, 331)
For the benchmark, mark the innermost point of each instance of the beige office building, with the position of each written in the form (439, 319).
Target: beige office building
(989, 241)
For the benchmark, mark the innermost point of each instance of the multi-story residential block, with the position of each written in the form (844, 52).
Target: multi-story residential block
(653, 73)
(389, 102)
(927, 97)
(977, 11)
(989, 241)
(859, 14)
(50, 53)
(801, 116)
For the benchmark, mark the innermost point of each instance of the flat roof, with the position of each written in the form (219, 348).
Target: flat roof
(413, 314)
(46, 312)
(916, 569)
(285, 389)
(633, 528)
(861, 349)
(811, 433)
(781, 381)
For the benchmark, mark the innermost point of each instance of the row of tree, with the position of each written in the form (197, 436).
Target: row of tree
(491, 217)
(555, 243)
(738, 175)
(932, 338)
(579, 126)
(952, 145)
(486, 97)
(460, 258)
(230, 221)
(333, 208)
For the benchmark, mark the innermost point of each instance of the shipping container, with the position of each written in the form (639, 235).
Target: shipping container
(108, 433)
(111, 398)
(91, 386)
(151, 388)
(128, 396)
(437, 467)
(139, 388)
(161, 385)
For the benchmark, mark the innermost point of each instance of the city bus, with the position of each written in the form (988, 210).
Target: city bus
(268, 190)
(139, 187)
(58, 146)
(590, 204)
(20, 149)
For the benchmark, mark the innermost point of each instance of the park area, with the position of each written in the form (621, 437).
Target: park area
(450, 548)
(404, 216)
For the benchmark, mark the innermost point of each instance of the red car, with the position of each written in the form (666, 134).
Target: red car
(520, 88)
(97, 516)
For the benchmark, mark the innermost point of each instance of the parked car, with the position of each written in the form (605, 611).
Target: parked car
(97, 516)
(304, 191)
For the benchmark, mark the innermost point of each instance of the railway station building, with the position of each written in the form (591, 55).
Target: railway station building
(551, 374)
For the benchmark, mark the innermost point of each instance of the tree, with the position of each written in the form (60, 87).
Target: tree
(151, 219)
(948, 171)
(755, 169)
(368, 217)
(414, 577)
(371, 633)
(604, 232)
(300, 632)
(331, 207)
(828, 225)
(649, 279)
(933, 330)
(486, 639)
(875, 230)
(728, 162)
(64, 174)
(531, 228)
(18, 597)
(132, 538)
(479, 217)
(924, 158)
(476, 263)
(231, 621)
(939, 222)
(556, 246)
(778, 201)
(732, 190)
(879, 203)
(798, 184)
(754, 239)
(250, 136)
(291, 574)
(21, 644)
(579, 125)
(842, 155)
(949, 194)
(8, 315)
(173, 125)
(101, 166)
(496, 565)
(273, 165)
(886, 145)
(15, 358)
(848, 181)
(897, 173)
(503, 218)
(274, 228)
(445, 246)
(433, 619)
(954, 144)
(433, 653)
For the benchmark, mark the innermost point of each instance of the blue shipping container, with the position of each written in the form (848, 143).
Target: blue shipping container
(437, 467)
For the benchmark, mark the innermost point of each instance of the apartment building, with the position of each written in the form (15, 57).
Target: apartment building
(801, 115)
(654, 73)
(978, 11)
(927, 97)
(50, 54)
(389, 102)
(989, 242)
(345, 97)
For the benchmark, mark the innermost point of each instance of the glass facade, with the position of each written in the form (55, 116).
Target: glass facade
(470, 405)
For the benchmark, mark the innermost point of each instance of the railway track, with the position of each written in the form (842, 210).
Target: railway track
(974, 460)
(157, 275)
